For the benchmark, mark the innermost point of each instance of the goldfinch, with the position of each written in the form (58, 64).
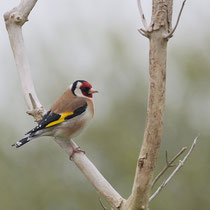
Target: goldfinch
(68, 116)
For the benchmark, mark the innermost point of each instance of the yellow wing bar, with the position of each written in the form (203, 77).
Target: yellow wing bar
(61, 119)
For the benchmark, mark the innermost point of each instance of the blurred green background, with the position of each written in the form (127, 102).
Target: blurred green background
(98, 41)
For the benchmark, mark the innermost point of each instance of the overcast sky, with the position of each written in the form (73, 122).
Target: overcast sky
(96, 17)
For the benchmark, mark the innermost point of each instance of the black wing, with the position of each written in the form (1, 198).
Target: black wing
(51, 119)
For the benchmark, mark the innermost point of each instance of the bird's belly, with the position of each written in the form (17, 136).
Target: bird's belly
(73, 127)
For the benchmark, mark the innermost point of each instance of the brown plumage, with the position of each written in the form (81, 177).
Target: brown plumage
(68, 116)
(67, 102)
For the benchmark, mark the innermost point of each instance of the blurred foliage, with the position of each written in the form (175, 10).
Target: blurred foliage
(39, 176)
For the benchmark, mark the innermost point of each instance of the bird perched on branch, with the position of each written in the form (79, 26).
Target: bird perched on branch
(68, 116)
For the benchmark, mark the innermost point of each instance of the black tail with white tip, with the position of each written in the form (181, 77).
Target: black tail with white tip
(22, 142)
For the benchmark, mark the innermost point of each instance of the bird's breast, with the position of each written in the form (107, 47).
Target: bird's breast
(74, 126)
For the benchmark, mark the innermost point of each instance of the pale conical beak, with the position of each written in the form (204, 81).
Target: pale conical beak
(92, 90)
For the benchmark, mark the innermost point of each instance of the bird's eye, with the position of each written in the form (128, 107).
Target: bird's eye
(85, 89)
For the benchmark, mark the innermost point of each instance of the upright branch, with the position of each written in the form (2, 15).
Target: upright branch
(159, 26)
(143, 19)
(170, 34)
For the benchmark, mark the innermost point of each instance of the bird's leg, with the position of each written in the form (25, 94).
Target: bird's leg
(75, 150)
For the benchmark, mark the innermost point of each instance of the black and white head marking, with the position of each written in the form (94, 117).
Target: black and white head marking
(75, 87)
(82, 88)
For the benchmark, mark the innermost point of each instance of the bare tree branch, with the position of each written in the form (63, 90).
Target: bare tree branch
(14, 20)
(93, 175)
(160, 25)
(181, 163)
(143, 19)
(168, 165)
(143, 32)
(177, 22)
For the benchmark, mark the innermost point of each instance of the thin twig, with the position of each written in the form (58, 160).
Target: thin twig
(143, 32)
(168, 165)
(102, 204)
(177, 22)
(143, 19)
(166, 154)
(33, 102)
(181, 163)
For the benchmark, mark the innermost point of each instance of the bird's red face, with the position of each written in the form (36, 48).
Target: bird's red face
(87, 89)
(82, 88)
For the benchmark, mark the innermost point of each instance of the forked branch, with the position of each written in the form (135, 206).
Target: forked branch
(181, 163)
(14, 20)
(168, 164)
(160, 24)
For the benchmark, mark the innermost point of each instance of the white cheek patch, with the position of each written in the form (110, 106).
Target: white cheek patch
(78, 85)
(78, 92)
